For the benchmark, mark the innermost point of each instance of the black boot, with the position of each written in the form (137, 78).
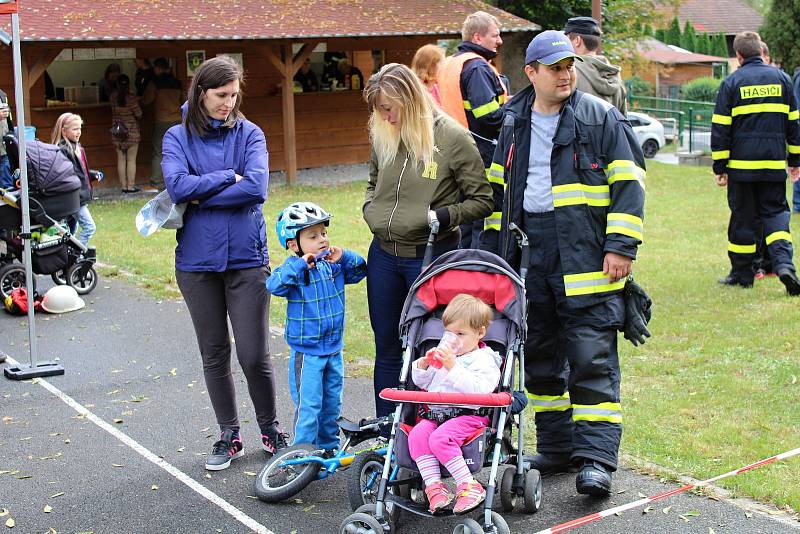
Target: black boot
(731, 280)
(549, 462)
(789, 279)
(593, 479)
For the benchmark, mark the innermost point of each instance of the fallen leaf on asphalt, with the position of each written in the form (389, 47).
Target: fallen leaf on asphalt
(748, 515)
(309, 508)
(252, 497)
(711, 531)
(250, 473)
(173, 371)
(117, 465)
(10, 522)
(54, 434)
(59, 494)
(692, 513)
(208, 475)
(190, 385)
(181, 449)
(127, 412)
(667, 509)
(67, 441)
(4, 512)
(770, 512)
(118, 421)
(642, 495)
(51, 530)
(206, 429)
(112, 392)
(24, 476)
(153, 487)
(26, 439)
(647, 510)
(47, 508)
(298, 501)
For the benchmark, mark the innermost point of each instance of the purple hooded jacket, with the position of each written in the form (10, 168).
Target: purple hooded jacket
(225, 229)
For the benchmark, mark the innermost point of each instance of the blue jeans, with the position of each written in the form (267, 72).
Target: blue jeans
(6, 180)
(796, 196)
(389, 279)
(317, 398)
(85, 221)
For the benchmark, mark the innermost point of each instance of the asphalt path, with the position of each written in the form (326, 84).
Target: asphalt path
(128, 455)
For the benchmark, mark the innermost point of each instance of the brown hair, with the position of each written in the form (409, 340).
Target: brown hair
(591, 42)
(426, 63)
(479, 23)
(211, 74)
(747, 44)
(472, 310)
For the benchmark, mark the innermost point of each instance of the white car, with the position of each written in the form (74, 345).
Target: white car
(649, 131)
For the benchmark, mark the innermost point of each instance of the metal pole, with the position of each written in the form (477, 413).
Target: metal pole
(23, 170)
(691, 128)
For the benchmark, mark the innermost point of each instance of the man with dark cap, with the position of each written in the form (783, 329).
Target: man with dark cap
(596, 75)
(571, 176)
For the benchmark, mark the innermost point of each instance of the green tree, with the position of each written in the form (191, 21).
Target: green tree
(673, 33)
(549, 14)
(780, 33)
(661, 34)
(688, 37)
(703, 43)
(647, 30)
(720, 46)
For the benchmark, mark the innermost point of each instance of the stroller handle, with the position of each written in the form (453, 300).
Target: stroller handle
(488, 400)
(522, 241)
(426, 259)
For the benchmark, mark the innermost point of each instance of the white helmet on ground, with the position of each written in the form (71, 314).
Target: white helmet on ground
(62, 299)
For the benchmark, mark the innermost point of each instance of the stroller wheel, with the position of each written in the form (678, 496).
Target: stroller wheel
(499, 525)
(363, 481)
(12, 276)
(360, 523)
(277, 482)
(391, 516)
(468, 526)
(533, 491)
(60, 277)
(508, 494)
(82, 278)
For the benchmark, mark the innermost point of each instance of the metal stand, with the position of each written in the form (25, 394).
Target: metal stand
(35, 369)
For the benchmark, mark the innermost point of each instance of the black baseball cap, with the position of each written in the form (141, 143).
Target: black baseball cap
(583, 26)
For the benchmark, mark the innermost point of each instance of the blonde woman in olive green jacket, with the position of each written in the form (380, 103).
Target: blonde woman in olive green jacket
(424, 165)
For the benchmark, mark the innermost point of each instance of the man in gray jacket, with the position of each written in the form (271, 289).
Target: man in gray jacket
(596, 75)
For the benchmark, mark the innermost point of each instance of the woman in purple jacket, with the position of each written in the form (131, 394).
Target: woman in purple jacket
(216, 162)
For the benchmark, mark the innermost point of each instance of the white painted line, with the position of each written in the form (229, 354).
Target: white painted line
(237, 514)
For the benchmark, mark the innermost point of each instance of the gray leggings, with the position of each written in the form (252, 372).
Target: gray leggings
(242, 295)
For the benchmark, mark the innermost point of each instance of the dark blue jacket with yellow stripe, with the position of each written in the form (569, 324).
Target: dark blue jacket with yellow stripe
(597, 170)
(755, 124)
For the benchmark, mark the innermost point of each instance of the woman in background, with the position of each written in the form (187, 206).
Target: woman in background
(426, 66)
(125, 110)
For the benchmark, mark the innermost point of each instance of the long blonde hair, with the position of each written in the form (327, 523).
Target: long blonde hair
(402, 87)
(66, 120)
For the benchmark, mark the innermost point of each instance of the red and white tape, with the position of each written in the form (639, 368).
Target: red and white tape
(563, 527)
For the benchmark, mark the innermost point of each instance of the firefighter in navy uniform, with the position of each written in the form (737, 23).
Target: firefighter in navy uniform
(472, 92)
(755, 124)
(574, 181)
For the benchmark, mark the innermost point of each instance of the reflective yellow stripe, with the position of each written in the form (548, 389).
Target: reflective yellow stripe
(622, 169)
(742, 249)
(485, 109)
(721, 119)
(609, 412)
(495, 173)
(720, 154)
(589, 283)
(754, 165)
(550, 403)
(760, 108)
(572, 194)
(625, 224)
(761, 91)
(794, 115)
(793, 149)
(492, 222)
(467, 105)
(774, 236)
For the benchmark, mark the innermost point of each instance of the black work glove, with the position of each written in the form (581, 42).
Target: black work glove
(638, 310)
(520, 401)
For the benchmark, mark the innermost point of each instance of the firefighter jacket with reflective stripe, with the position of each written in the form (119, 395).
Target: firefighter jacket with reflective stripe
(472, 93)
(597, 172)
(755, 124)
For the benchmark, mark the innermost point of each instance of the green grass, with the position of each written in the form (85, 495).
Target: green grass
(715, 388)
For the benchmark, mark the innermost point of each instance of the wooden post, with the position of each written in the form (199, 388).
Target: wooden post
(289, 133)
(597, 12)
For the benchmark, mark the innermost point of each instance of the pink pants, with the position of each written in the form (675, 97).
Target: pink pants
(445, 441)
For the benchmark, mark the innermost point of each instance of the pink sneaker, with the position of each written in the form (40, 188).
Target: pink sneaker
(439, 497)
(468, 496)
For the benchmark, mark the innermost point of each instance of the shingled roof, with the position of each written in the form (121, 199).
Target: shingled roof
(658, 52)
(116, 20)
(726, 16)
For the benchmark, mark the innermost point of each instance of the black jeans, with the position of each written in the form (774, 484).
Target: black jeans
(241, 295)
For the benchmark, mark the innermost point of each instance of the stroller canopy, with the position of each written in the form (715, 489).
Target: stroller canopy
(477, 272)
(50, 172)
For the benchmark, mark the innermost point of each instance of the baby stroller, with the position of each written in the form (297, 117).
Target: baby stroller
(491, 279)
(54, 194)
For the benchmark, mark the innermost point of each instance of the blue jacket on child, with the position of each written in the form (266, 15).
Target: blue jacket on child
(315, 311)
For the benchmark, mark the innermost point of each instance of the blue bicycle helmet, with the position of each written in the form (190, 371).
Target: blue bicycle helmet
(297, 216)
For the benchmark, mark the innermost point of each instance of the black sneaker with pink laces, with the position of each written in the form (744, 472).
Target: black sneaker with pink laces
(226, 449)
(274, 440)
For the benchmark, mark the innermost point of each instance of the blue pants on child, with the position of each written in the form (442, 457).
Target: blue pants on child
(316, 384)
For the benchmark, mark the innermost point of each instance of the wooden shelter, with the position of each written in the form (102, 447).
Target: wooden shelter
(271, 37)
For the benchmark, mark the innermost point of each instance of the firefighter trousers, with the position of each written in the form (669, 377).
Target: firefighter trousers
(572, 371)
(750, 202)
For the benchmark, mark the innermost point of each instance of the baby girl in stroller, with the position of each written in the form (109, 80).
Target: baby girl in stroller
(437, 438)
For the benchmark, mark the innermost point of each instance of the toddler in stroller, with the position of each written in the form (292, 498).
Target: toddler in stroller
(493, 410)
(54, 195)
